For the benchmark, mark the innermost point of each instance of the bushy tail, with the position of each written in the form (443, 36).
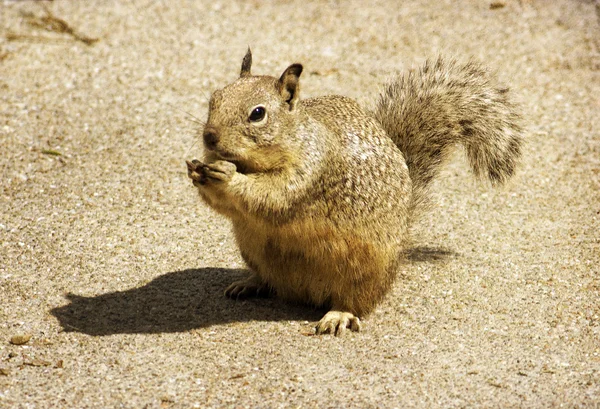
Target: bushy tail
(445, 104)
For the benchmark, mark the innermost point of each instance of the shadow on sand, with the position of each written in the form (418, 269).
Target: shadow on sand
(174, 302)
(184, 300)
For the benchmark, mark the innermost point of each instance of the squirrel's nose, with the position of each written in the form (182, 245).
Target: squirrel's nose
(211, 137)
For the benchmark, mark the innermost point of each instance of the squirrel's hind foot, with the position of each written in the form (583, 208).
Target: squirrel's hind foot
(336, 322)
(252, 286)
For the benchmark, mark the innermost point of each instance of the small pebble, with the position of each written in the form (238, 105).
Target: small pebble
(37, 362)
(20, 339)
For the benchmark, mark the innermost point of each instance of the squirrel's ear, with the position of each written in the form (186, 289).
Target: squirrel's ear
(289, 84)
(246, 64)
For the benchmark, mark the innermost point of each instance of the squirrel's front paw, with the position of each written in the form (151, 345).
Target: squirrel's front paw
(195, 172)
(220, 171)
(201, 173)
(336, 322)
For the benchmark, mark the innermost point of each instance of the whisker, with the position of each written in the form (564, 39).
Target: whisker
(193, 118)
(191, 147)
(204, 95)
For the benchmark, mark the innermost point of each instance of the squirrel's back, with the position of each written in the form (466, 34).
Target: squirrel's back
(366, 181)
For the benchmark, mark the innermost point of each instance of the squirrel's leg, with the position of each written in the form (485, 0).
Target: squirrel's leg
(253, 286)
(336, 322)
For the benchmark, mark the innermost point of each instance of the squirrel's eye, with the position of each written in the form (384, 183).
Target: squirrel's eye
(257, 114)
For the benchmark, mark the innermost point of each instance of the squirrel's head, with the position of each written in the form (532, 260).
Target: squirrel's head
(250, 121)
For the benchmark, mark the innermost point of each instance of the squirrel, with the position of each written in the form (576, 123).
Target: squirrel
(321, 192)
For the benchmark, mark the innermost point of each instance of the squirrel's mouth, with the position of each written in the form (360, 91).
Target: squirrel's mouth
(240, 166)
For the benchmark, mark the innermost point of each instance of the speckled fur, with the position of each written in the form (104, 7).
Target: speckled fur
(319, 192)
(444, 104)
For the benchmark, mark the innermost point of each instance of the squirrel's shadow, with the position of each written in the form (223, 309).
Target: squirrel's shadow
(184, 300)
(174, 302)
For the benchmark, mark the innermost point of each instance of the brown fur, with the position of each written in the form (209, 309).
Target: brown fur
(429, 112)
(319, 191)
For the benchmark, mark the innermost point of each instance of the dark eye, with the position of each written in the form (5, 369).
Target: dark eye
(257, 114)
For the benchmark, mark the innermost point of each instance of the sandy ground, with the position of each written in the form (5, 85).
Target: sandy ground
(112, 264)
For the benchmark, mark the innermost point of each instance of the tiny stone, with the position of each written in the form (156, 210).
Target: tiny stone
(20, 339)
(37, 362)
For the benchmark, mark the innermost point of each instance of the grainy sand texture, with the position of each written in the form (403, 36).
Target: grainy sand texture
(114, 267)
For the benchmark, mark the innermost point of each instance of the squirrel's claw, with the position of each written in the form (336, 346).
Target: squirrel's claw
(194, 164)
(336, 322)
(195, 172)
(250, 287)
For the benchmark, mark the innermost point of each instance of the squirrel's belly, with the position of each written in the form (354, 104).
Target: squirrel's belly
(299, 267)
(318, 266)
